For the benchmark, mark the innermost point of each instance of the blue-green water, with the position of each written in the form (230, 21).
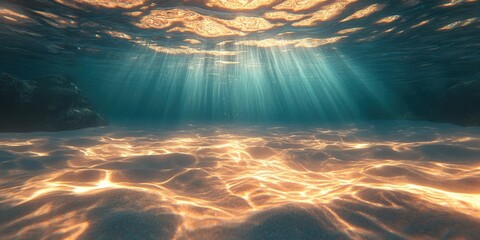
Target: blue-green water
(342, 119)
(403, 69)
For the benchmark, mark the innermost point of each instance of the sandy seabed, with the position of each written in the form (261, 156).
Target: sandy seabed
(379, 180)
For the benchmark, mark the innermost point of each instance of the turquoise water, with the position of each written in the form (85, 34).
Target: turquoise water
(361, 68)
(336, 119)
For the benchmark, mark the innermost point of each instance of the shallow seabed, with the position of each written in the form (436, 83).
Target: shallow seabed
(378, 180)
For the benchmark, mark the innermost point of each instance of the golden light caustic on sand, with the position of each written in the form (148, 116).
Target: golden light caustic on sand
(214, 178)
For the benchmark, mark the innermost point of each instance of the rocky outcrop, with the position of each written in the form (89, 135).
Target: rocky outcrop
(461, 103)
(46, 104)
(456, 102)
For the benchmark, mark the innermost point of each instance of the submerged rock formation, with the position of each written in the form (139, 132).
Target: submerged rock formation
(457, 102)
(462, 103)
(46, 104)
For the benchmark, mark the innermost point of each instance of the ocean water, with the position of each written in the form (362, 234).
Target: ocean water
(258, 119)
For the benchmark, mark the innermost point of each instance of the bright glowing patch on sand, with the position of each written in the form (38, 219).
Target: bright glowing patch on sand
(224, 179)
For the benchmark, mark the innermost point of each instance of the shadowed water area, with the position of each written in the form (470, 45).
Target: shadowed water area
(239, 119)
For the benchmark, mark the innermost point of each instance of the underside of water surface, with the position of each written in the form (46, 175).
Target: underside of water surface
(239, 119)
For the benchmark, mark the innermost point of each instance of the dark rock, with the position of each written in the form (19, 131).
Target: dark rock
(46, 104)
(462, 103)
(457, 102)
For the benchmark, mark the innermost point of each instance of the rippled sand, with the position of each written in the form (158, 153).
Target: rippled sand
(387, 180)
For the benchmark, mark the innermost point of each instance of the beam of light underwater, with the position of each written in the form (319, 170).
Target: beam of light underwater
(216, 177)
(260, 84)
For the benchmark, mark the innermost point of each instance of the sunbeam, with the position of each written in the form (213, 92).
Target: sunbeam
(239, 119)
(258, 84)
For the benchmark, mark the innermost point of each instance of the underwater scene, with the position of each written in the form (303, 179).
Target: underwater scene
(239, 119)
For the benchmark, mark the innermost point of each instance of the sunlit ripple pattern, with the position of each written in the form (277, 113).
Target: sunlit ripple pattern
(399, 180)
(167, 24)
